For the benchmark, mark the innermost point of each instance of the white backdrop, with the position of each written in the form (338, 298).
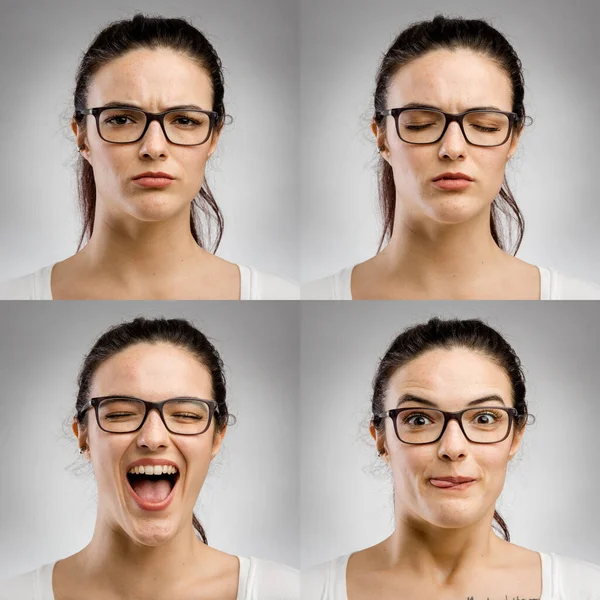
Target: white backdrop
(252, 174)
(249, 503)
(550, 499)
(553, 175)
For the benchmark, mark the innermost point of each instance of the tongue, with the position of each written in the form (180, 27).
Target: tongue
(152, 490)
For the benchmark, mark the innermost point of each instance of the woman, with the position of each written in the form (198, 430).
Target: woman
(148, 113)
(150, 415)
(448, 116)
(448, 414)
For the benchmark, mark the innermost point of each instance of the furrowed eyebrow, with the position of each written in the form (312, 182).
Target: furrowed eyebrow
(412, 398)
(115, 103)
(419, 105)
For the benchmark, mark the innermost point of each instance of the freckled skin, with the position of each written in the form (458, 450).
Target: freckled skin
(452, 81)
(154, 80)
(154, 373)
(451, 378)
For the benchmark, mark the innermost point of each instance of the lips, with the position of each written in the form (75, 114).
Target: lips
(454, 483)
(154, 175)
(452, 176)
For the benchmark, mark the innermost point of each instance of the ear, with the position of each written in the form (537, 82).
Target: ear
(514, 143)
(516, 443)
(217, 441)
(81, 435)
(216, 134)
(379, 443)
(380, 140)
(80, 139)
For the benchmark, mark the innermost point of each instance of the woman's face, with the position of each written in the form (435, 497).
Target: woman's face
(454, 82)
(152, 372)
(154, 80)
(451, 379)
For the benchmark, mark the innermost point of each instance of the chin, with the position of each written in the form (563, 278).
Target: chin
(151, 533)
(155, 208)
(453, 208)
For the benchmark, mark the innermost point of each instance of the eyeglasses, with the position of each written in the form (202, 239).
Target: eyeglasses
(481, 425)
(126, 414)
(488, 128)
(124, 125)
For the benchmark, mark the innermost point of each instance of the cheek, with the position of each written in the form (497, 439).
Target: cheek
(491, 165)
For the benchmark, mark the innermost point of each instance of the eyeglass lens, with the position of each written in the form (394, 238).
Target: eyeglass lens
(121, 415)
(186, 127)
(425, 126)
(483, 425)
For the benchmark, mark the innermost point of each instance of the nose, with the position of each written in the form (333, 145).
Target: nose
(153, 433)
(453, 145)
(453, 445)
(154, 143)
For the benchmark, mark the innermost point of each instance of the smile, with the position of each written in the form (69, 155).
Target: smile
(152, 492)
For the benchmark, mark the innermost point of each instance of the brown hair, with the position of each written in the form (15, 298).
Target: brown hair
(114, 41)
(472, 334)
(178, 332)
(450, 34)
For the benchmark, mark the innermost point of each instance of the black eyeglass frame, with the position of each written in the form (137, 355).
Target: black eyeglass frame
(95, 403)
(160, 117)
(451, 118)
(448, 416)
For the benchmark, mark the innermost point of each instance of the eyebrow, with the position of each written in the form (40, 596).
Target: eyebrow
(412, 398)
(116, 103)
(420, 105)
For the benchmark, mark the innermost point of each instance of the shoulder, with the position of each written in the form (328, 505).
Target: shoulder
(326, 581)
(28, 586)
(35, 286)
(573, 578)
(557, 286)
(266, 580)
(256, 285)
(332, 287)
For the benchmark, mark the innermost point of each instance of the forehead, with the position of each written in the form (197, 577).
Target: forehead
(450, 378)
(452, 80)
(152, 79)
(152, 372)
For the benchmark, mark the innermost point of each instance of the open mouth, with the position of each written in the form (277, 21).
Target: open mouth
(152, 490)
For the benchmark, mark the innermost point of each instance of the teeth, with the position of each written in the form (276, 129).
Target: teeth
(156, 470)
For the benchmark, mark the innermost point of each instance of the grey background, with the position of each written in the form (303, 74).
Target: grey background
(550, 499)
(252, 174)
(552, 176)
(249, 503)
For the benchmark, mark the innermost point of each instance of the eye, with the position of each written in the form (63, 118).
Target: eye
(416, 420)
(486, 418)
(189, 416)
(485, 129)
(117, 415)
(117, 120)
(418, 127)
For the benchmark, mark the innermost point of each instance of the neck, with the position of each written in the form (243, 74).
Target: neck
(112, 557)
(441, 554)
(450, 255)
(136, 252)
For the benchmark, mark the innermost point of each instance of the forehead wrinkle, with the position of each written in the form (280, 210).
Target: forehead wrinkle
(153, 372)
(455, 80)
(455, 376)
(153, 79)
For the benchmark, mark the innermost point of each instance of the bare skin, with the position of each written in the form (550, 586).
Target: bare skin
(103, 571)
(147, 555)
(411, 565)
(153, 264)
(142, 246)
(441, 246)
(443, 545)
